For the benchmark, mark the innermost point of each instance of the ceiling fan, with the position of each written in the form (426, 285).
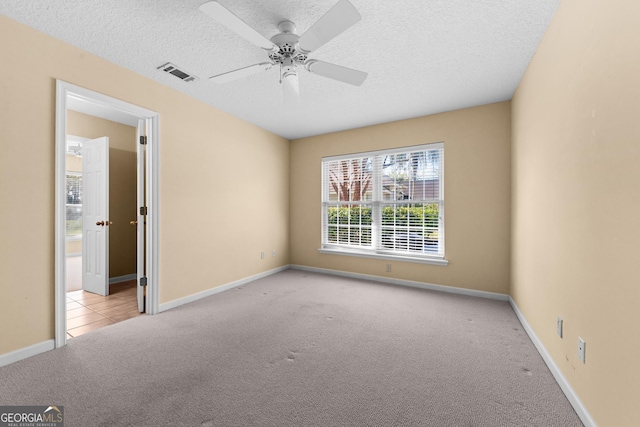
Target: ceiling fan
(288, 50)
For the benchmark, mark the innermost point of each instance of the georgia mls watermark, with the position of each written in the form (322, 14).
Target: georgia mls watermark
(31, 416)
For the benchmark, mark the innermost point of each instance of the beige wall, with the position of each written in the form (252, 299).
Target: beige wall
(208, 235)
(477, 196)
(576, 180)
(122, 185)
(74, 163)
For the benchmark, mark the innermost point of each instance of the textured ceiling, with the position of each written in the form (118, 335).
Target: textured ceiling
(422, 56)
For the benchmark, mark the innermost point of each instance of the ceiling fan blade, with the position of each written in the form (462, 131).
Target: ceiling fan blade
(336, 72)
(241, 72)
(227, 18)
(340, 17)
(291, 88)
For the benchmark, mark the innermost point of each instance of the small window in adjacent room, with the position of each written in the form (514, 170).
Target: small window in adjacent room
(387, 204)
(74, 205)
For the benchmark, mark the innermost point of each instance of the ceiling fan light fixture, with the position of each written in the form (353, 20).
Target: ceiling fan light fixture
(291, 87)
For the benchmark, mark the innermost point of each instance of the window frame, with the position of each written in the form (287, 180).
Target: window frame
(377, 202)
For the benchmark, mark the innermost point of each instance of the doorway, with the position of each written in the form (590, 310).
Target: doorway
(71, 99)
(101, 171)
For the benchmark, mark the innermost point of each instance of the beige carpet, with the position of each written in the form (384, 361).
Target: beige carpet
(302, 349)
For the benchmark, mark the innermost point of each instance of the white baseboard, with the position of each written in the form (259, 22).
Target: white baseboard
(23, 353)
(194, 297)
(120, 279)
(410, 283)
(573, 398)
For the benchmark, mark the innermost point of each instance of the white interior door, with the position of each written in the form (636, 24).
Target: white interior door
(141, 266)
(95, 216)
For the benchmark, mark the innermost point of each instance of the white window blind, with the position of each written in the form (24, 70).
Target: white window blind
(385, 202)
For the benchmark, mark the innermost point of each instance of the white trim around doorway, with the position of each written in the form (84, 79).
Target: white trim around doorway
(64, 93)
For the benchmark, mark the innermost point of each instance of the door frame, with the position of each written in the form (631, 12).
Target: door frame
(65, 92)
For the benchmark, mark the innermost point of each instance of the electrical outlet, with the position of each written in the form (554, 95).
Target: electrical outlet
(581, 349)
(559, 327)
(273, 252)
(388, 268)
(261, 255)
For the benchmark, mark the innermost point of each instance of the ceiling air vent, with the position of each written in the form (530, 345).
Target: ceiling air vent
(181, 74)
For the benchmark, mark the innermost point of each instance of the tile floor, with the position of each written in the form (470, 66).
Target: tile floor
(87, 312)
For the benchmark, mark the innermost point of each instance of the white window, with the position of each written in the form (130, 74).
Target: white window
(74, 205)
(387, 204)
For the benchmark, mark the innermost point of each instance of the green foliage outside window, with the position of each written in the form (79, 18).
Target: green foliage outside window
(416, 226)
(355, 214)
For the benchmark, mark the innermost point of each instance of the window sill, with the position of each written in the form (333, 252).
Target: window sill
(391, 257)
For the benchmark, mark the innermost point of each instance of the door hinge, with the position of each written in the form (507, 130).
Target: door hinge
(143, 281)
(143, 140)
(143, 210)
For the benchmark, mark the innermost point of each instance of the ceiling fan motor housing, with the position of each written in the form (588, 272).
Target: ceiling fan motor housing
(287, 42)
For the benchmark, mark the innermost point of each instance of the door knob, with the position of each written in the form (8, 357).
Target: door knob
(100, 223)
(133, 222)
